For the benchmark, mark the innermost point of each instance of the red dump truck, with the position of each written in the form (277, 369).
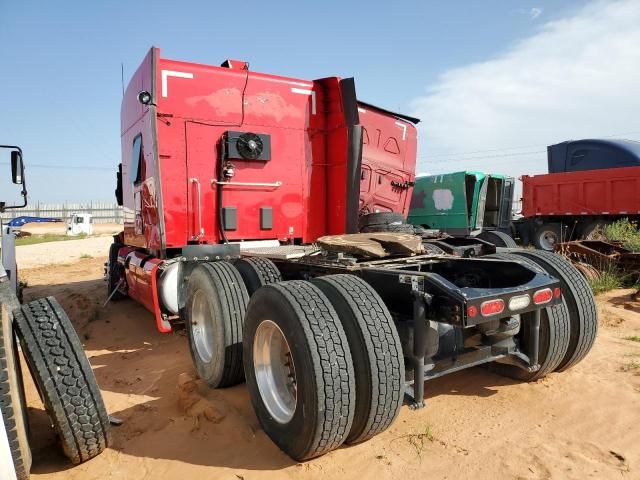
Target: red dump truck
(243, 195)
(591, 183)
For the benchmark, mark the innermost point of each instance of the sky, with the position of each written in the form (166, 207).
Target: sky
(494, 82)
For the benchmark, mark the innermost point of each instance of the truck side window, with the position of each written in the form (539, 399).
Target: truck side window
(136, 160)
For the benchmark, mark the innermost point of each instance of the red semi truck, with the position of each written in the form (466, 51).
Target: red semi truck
(591, 183)
(239, 190)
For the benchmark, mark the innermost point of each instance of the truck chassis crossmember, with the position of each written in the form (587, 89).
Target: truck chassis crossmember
(423, 292)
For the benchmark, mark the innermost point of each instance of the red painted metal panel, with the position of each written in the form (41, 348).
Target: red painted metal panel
(193, 105)
(389, 150)
(591, 192)
(142, 226)
(140, 271)
(200, 103)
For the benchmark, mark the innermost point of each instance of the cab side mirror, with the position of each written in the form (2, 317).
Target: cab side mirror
(17, 168)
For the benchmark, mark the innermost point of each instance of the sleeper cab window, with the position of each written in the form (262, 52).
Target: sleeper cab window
(578, 156)
(137, 160)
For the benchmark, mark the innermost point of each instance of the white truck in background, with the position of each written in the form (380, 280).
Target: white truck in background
(79, 224)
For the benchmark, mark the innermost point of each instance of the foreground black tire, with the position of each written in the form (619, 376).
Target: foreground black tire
(299, 369)
(375, 349)
(64, 378)
(580, 302)
(554, 334)
(257, 272)
(12, 401)
(215, 306)
(499, 239)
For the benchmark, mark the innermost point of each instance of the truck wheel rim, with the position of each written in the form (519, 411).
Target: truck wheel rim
(202, 326)
(275, 371)
(548, 240)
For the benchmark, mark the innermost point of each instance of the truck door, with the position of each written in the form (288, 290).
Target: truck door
(482, 201)
(507, 204)
(239, 188)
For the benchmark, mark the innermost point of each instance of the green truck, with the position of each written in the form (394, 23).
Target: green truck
(465, 204)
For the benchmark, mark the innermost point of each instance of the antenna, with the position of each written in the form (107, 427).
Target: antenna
(122, 77)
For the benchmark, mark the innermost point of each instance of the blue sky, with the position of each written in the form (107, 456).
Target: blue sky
(60, 87)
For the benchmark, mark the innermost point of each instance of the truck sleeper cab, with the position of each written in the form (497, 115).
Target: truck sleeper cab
(242, 193)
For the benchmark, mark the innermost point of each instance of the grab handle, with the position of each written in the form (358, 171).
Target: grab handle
(196, 182)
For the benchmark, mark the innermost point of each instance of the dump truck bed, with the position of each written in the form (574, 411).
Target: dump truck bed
(612, 191)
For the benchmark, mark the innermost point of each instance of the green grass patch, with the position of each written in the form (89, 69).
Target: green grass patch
(45, 238)
(628, 234)
(633, 338)
(632, 367)
(420, 440)
(623, 231)
(608, 280)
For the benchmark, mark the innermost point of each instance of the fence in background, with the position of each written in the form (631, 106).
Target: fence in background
(103, 212)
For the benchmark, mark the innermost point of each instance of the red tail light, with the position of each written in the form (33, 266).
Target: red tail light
(472, 311)
(492, 307)
(543, 296)
(557, 292)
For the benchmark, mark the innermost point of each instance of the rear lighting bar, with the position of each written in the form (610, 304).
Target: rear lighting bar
(519, 302)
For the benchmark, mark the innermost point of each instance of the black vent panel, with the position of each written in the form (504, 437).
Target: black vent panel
(247, 146)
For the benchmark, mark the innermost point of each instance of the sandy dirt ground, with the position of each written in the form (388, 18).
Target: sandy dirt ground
(584, 423)
(68, 251)
(60, 228)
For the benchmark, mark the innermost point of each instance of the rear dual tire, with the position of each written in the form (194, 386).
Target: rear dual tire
(299, 369)
(335, 340)
(578, 300)
(114, 273)
(567, 330)
(216, 302)
(554, 334)
(375, 349)
(257, 272)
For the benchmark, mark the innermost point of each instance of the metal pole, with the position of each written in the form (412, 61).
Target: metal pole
(419, 330)
(534, 339)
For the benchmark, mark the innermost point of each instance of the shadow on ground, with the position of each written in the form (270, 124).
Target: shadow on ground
(146, 376)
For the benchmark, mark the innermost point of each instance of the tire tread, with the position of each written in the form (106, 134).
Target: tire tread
(559, 327)
(580, 303)
(11, 415)
(383, 349)
(64, 378)
(234, 301)
(333, 365)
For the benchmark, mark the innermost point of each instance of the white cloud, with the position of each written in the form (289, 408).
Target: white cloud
(577, 77)
(535, 12)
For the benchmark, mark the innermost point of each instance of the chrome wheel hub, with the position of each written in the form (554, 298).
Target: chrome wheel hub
(202, 326)
(548, 240)
(275, 371)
